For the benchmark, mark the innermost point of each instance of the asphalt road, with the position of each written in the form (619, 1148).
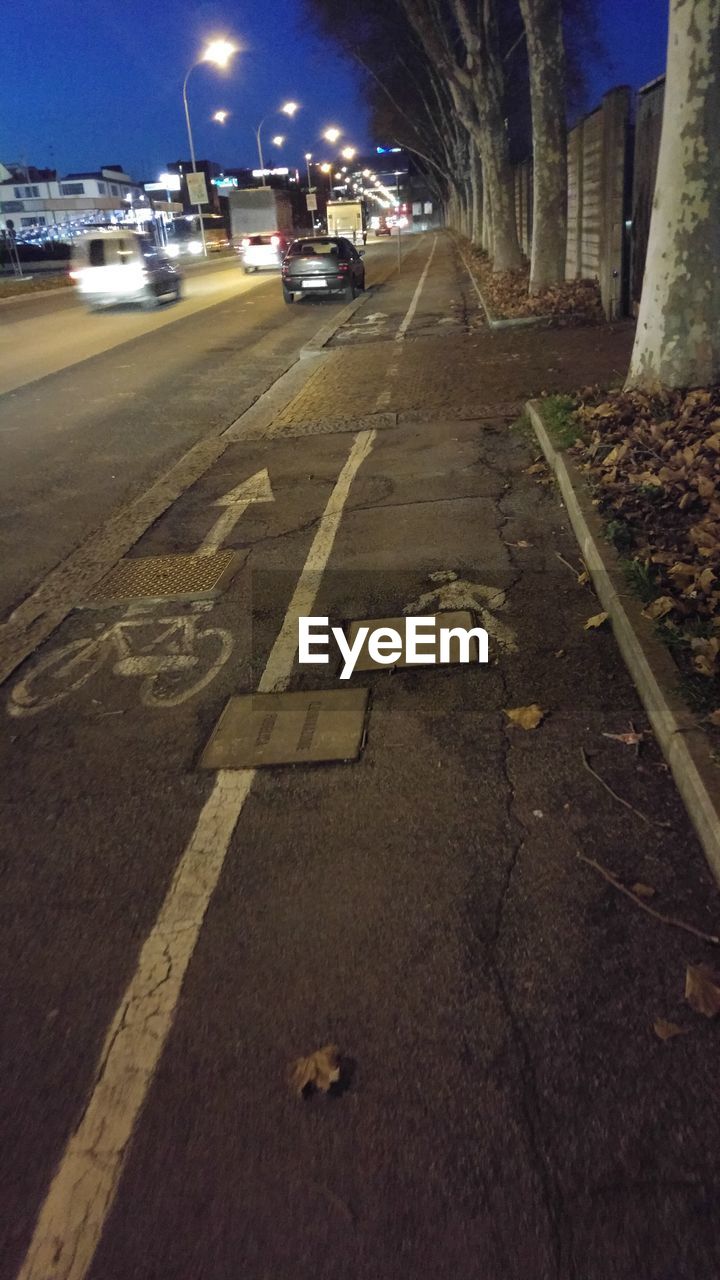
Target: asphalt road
(175, 937)
(95, 406)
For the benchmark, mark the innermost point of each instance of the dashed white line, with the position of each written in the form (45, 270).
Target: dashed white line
(85, 1182)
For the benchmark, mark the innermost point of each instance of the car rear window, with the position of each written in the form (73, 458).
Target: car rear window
(308, 248)
(96, 253)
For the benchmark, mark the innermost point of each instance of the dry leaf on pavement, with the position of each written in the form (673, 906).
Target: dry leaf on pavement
(536, 468)
(714, 718)
(596, 621)
(320, 1070)
(632, 739)
(642, 890)
(701, 989)
(667, 1030)
(526, 717)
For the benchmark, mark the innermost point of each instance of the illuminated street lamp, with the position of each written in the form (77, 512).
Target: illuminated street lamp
(325, 168)
(308, 158)
(348, 153)
(331, 135)
(278, 140)
(218, 52)
(288, 109)
(220, 116)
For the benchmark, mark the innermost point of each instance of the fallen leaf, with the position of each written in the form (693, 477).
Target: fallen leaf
(667, 1030)
(559, 653)
(629, 739)
(701, 990)
(536, 468)
(583, 578)
(714, 718)
(320, 1071)
(658, 608)
(526, 717)
(521, 543)
(596, 621)
(642, 890)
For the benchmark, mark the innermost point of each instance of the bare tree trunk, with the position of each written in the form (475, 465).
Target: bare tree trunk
(677, 343)
(476, 228)
(487, 231)
(546, 58)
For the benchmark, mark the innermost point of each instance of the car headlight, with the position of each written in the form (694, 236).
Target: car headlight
(194, 246)
(172, 250)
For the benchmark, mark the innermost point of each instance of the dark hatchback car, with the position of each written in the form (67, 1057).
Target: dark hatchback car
(322, 265)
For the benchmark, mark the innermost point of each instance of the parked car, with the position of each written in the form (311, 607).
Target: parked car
(110, 267)
(263, 253)
(322, 265)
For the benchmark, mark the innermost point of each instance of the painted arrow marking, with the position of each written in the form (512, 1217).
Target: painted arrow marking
(235, 503)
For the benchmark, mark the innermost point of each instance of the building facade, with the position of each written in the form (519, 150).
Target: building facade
(36, 199)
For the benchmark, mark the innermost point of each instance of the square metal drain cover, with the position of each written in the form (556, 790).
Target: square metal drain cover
(150, 578)
(288, 728)
(445, 621)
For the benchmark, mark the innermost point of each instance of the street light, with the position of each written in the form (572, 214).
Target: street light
(348, 152)
(308, 158)
(325, 168)
(220, 116)
(331, 135)
(218, 52)
(288, 109)
(278, 140)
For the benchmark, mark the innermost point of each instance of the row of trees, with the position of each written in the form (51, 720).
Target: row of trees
(468, 85)
(463, 83)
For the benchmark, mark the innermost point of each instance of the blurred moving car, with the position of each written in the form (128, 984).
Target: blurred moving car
(322, 265)
(111, 267)
(263, 252)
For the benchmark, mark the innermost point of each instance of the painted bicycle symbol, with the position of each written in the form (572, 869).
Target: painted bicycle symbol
(173, 663)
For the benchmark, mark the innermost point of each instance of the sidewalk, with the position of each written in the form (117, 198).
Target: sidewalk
(511, 1114)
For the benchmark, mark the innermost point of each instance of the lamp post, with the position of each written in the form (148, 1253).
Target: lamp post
(308, 158)
(219, 52)
(288, 109)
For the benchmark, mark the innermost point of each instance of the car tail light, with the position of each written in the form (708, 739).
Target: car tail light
(343, 266)
(275, 240)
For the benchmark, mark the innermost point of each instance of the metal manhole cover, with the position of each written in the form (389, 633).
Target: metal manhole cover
(447, 620)
(288, 728)
(150, 578)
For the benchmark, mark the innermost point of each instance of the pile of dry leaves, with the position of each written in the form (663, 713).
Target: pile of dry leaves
(506, 294)
(654, 462)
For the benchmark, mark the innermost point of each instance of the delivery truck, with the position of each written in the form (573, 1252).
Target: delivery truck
(347, 218)
(260, 211)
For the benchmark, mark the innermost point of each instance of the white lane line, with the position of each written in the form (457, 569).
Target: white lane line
(407, 321)
(85, 1182)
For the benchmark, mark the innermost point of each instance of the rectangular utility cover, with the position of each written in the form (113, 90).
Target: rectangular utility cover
(288, 728)
(443, 621)
(157, 578)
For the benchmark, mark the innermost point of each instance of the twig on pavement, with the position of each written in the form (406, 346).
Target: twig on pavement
(567, 564)
(657, 915)
(651, 822)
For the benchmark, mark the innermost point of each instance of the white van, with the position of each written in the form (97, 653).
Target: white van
(111, 267)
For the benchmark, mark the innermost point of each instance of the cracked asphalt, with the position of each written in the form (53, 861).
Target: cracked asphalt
(510, 1114)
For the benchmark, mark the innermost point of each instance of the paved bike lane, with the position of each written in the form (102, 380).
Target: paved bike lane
(422, 907)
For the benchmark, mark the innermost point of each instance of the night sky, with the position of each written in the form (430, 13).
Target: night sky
(88, 85)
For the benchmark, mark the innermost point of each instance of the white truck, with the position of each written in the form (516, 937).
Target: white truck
(260, 211)
(346, 218)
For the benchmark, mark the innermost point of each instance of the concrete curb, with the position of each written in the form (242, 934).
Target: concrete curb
(324, 335)
(684, 744)
(494, 322)
(36, 293)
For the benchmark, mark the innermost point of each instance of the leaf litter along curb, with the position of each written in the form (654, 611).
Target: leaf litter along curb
(673, 921)
(654, 464)
(701, 990)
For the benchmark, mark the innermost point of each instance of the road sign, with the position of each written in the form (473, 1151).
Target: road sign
(311, 201)
(197, 189)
